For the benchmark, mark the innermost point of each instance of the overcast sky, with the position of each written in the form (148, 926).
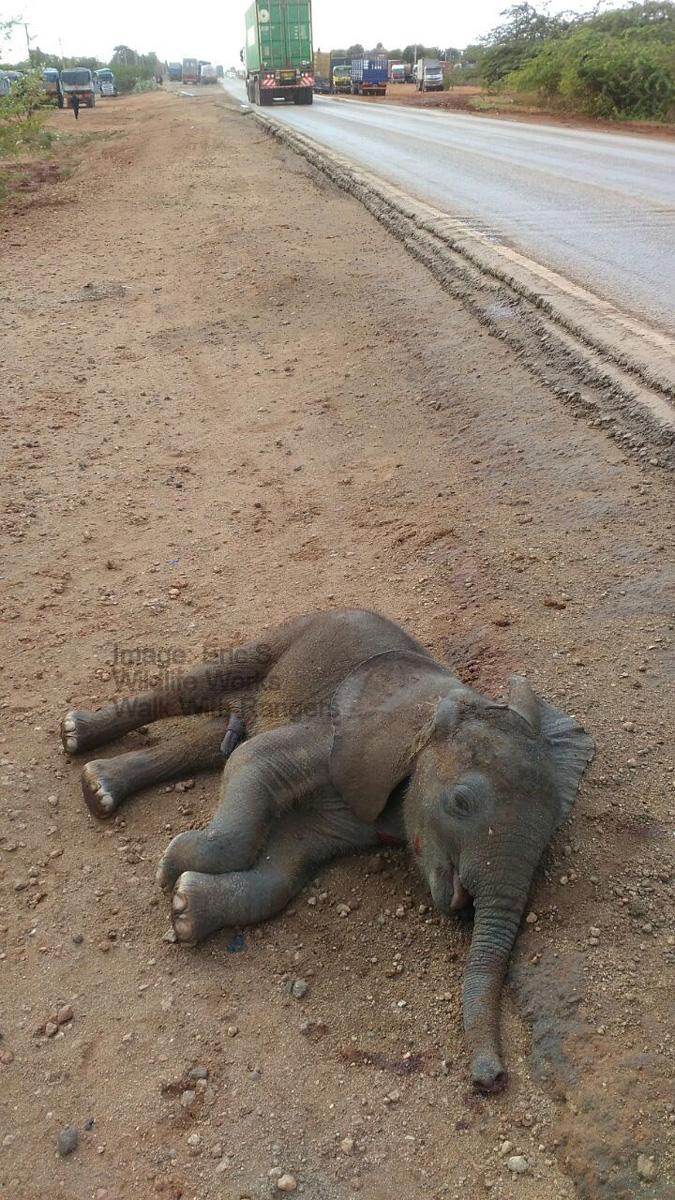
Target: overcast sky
(213, 29)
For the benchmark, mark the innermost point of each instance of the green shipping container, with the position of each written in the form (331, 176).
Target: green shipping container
(279, 35)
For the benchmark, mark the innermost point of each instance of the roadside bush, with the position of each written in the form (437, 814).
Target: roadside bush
(22, 117)
(603, 75)
(619, 63)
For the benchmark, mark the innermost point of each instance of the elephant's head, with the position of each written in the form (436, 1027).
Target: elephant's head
(487, 785)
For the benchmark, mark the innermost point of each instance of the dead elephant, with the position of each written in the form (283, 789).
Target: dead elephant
(355, 735)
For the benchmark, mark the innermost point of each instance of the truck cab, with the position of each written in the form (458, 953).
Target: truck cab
(428, 75)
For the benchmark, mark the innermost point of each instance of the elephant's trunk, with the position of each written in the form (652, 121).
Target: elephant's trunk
(495, 929)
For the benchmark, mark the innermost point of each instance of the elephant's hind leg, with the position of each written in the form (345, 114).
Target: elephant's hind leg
(264, 778)
(299, 843)
(108, 781)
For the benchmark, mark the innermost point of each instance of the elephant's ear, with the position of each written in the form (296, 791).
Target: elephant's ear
(382, 716)
(571, 749)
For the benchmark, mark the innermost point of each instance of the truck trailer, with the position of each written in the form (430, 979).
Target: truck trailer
(78, 81)
(175, 72)
(279, 59)
(190, 70)
(369, 75)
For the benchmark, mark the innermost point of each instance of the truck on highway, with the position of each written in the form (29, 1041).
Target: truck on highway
(369, 75)
(207, 73)
(279, 58)
(174, 71)
(190, 70)
(397, 72)
(428, 75)
(78, 81)
(322, 77)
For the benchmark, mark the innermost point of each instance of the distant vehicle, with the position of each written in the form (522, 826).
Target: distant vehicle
(231, 73)
(52, 82)
(322, 77)
(78, 81)
(369, 75)
(279, 63)
(175, 72)
(397, 72)
(5, 84)
(105, 80)
(207, 73)
(220, 72)
(341, 74)
(190, 70)
(428, 75)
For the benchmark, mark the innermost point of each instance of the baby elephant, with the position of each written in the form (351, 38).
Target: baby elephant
(355, 736)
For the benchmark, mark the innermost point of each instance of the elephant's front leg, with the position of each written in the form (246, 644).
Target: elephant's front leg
(300, 842)
(262, 779)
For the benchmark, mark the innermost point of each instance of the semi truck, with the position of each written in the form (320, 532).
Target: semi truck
(207, 73)
(190, 70)
(78, 81)
(322, 77)
(428, 75)
(105, 81)
(175, 72)
(397, 72)
(369, 75)
(279, 59)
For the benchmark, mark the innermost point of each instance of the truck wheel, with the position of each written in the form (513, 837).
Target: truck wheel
(256, 93)
(309, 96)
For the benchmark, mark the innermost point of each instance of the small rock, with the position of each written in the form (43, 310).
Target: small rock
(51, 1028)
(68, 1141)
(170, 936)
(505, 1148)
(188, 1098)
(199, 1072)
(629, 726)
(347, 1145)
(232, 1030)
(594, 931)
(287, 1183)
(255, 1075)
(299, 988)
(531, 919)
(20, 885)
(77, 939)
(342, 910)
(646, 1167)
(194, 1140)
(518, 1164)
(6, 1058)
(64, 1014)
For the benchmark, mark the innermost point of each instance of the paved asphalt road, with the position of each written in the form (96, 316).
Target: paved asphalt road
(597, 207)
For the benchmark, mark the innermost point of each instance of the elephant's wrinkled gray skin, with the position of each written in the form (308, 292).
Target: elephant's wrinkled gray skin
(341, 708)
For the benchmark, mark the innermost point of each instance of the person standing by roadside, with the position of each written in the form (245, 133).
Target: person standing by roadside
(75, 101)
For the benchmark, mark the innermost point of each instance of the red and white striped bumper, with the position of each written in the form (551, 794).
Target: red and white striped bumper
(270, 81)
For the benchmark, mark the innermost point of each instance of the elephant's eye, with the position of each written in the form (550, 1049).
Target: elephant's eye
(459, 802)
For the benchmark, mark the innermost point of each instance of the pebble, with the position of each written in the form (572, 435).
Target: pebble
(194, 1140)
(68, 1141)
(594, 931)
(64, 1014)
(51, 1028)
(299, 988)
(505, 1148)
(188, 1098)
(199, 1072)
(287, 1183)
(20, 885)
(646, 1167)
(347, 1145)
(6, 1057)
(518, 1164)
(232, 1030)
(531, 918)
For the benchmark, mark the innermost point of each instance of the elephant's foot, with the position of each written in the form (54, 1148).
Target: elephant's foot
(80, 730)
(210, 851)
(98, 789)
(194, 913)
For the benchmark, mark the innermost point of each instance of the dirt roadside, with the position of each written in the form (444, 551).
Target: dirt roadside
(229, 397)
